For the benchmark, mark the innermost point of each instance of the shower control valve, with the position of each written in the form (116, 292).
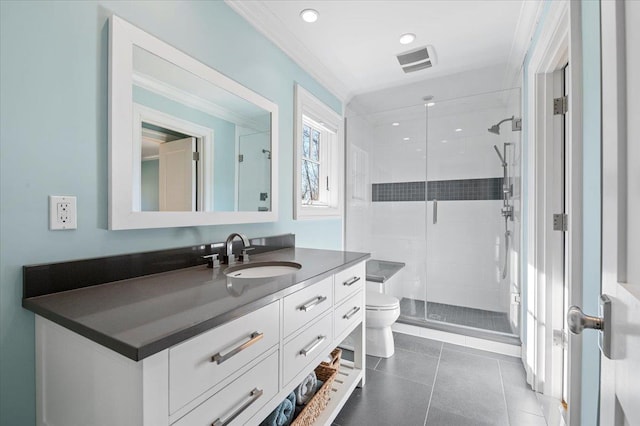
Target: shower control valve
(507, 211)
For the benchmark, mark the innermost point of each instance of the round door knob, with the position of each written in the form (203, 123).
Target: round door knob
(578, 321)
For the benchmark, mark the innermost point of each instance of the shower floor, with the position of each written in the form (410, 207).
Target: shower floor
(459, 315)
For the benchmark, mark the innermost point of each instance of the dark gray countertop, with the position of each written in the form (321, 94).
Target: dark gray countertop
(141, 316)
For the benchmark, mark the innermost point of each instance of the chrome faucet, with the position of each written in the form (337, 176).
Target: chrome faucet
(228, 258)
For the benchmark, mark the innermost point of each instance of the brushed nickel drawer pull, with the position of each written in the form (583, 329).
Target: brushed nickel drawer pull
(351, 313)
(219, 358)
(351, 282)
(254, 394)
(312, 304)
(313, 346)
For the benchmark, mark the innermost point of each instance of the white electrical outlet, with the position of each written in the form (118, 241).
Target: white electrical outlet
(62, 212)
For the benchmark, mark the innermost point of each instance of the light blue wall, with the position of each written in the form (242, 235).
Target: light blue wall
(591, 197)
(591, 205)
(53, 139)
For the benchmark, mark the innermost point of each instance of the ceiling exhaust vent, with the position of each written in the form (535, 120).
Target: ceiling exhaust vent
(417, 59)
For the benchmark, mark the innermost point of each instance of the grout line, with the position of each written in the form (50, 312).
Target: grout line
(377, 363)
(433, 386)
(504, 394)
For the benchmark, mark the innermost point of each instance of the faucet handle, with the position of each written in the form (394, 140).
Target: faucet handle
(212, 260)
(244, 257)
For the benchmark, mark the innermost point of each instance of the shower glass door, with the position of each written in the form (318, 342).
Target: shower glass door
(425, 188)
(473, 212)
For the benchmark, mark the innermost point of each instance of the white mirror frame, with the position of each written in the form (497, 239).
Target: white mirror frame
(124, 212)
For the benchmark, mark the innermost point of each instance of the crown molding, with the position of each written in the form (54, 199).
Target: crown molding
(269, 25)
(530, 13)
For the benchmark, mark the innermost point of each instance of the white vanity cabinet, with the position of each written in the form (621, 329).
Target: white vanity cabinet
(233, 374)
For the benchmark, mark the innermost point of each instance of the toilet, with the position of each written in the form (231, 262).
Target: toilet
(382, 310)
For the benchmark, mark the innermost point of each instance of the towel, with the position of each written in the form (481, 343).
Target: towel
(299, 408)
(305, 390)
(283, 414)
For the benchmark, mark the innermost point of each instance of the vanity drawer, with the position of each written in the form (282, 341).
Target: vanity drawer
(305, 347)
(349, 313)
(240, 400)
(307, 304)
(348, 281)
(198, 364)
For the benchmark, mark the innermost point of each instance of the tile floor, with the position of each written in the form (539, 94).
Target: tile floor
(461, 315)
(432, 383)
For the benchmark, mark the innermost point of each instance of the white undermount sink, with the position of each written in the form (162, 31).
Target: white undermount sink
(262, 269)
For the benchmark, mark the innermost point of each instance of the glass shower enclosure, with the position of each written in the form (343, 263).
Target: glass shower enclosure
(436, 186)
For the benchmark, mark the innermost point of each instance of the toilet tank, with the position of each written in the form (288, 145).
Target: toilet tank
(381, 274)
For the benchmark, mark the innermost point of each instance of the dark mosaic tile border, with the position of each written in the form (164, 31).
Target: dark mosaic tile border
(441, 190)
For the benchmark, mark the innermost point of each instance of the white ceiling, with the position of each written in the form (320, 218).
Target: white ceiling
(352, 47)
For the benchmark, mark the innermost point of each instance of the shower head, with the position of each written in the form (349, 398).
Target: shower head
(516, 125)
(494, 129)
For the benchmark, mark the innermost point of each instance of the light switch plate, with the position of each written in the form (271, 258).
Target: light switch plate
(62, 212)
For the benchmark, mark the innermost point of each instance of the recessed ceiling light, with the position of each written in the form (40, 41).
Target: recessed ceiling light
(407, 38)
(406, 139)
(309, 15)
(395, 124)
(458, 130)
(419, 150)
(444, 141)
(430, 104)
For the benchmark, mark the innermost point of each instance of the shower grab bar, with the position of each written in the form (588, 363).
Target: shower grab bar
(435, 211)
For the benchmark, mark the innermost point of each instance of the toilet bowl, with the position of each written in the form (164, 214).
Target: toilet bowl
(382, 310)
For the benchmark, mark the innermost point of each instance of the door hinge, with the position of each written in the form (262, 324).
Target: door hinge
(560, 105)
(196, 156)
(560, 222)
(240, 158)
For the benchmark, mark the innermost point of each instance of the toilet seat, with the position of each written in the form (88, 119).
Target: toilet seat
(380, 302)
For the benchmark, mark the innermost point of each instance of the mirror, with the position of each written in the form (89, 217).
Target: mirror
(188, 145)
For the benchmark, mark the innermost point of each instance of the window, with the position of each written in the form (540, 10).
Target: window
(319, 159)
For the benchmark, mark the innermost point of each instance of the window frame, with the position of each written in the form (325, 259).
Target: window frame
(311, 111)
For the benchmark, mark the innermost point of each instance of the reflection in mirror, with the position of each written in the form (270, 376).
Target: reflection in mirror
(200, 147)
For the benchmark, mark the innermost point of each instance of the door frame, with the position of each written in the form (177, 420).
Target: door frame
(559, 40)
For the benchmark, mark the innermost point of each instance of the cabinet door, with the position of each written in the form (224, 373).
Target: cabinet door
(306, 346)
(241, 399)
(200, 363)
(349, 281)
(348, 314)
(303, 306)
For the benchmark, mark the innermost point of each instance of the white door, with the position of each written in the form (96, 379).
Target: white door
(620, 373)
(177, 172)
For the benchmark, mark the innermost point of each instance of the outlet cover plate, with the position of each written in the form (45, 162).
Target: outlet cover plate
(62, 212)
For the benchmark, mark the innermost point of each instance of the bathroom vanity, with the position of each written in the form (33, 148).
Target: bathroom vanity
(193, 346)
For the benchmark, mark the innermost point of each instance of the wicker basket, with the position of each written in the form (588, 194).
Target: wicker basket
(336, 355)
(314, 407)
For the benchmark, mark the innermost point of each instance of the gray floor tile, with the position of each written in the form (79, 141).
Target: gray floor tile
(525, 400)
(513, 374)
(470, 386)
(526, 419)
(420, 345)
(411, 366)
(438, 417)
(386, 400)
(479, 352)
(372, 361)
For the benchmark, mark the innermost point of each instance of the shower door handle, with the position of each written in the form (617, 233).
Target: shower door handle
(435, 211)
